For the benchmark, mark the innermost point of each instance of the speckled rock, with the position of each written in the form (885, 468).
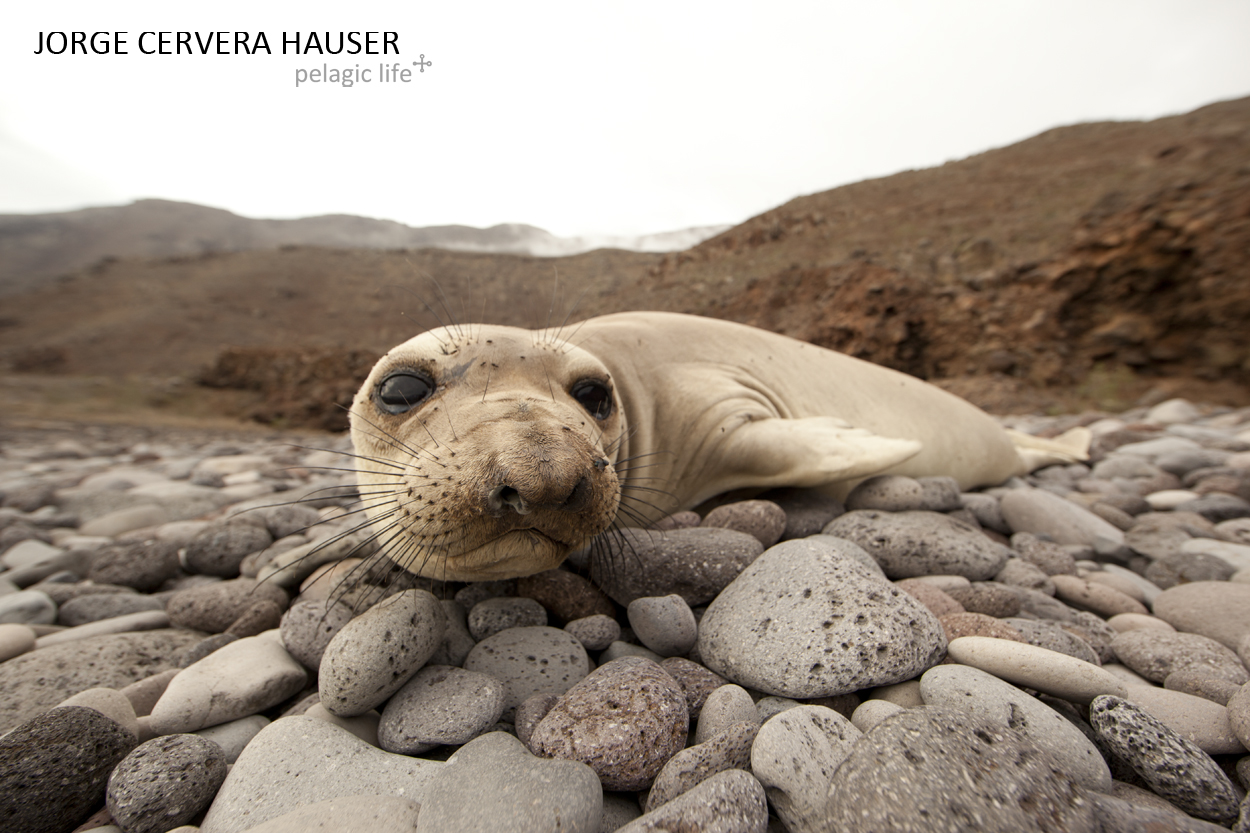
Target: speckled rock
(1099, 598)
(665, 624)
(262, 615)
(807, 620)
(696, 564)
(288, 519)
(762, 519)
(902, 775)
(530, 713)
(939, 602)
(349, 814)
(37, 681)
(895, 493)
(529, 661)
(595, 632)
(795, 756)
(1155, 654)
(1198, 720)
(955, 625)
(298, 761)
(165, 782)
(730, 749)
(213, 608)
(624, 720)
(1200, 683)
(724, 707)
(807, 510)
(728, 802)
(1172, 766)
(245, 677)
(1239, 714)
(1047, 556)
(1183, 567)
(308, 627)
(92, 608)
(696, 681)
(440, 705)
(1218, 609)
(144, 565)
(1052, 637)
(53, 769)
(566, 596)
(1018, 572)
(961, 688)
(490, 616)
(908, 544)
(222, 546)
(373, 655)
(987, 597)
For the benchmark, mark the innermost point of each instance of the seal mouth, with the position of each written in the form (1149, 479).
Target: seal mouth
(517, 552)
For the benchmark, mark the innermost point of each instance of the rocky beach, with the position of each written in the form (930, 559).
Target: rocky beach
(196, 634)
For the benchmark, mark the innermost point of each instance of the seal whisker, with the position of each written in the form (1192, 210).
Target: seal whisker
(378, 460)
(393, 441)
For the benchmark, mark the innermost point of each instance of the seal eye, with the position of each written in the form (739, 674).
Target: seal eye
(594, 396)
(401, 392)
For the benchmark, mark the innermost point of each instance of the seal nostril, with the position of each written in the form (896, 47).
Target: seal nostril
(506, 497)
(579, 497)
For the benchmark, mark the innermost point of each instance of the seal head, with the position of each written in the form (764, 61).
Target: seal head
(486, 452)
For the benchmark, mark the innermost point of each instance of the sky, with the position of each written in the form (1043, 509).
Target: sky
(581, 118)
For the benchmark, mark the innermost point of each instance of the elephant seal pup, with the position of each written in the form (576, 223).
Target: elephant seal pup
(489, 452)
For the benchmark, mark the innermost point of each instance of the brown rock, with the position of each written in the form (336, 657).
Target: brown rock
(987, 597)
(566, 596)
(939, 602)
(977, 624)
(761, 518)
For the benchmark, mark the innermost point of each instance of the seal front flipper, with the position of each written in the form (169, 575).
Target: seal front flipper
(810, 452)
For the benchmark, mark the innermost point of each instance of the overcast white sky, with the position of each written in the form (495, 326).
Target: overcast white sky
(580, 117)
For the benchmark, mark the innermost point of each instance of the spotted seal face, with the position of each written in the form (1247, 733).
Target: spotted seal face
(487, 452)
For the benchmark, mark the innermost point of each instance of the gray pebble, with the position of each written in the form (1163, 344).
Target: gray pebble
(724, 707)
(98, 606)
(144, 565)
(27, 607)
(665, 624)
(908, 544)
(214, 607)
(730, 749)
(490, 616)
(795, 756)
(696, 681)
(440, 705)
(457, 641)
(529, 661)
(762, 519)
(530, 713)
(308, 627)
(595, 632)
(1039, 511)
(807, 510)
(1049, 635)
(1200, 683)
(727, 802)
(222, 546)
(165, 782)
(205, 647)
(1155, 654)
(696, 564)
(1173, 767)
(896, 493)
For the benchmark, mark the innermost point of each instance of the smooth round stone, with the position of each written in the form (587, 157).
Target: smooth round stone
(234, 736)
(128, 623)
(624, 720)
(730, 749)
(1118, 581)
(566, 596)
(908, 544)
(1173, 411)
(28, 553)
(530, 713)
(768, 707)
(440, 705)
(761, 519)
(939, 602)
(1021, 573)
(490, 616)
(896, 493)
(245, 677)
(731, 801)
(27, 607)
(1169, 499)
(1202, 722)
(696, 681)
(795, 756)
(1047, 556)
(1236, 556)
(165, 782)
(665, 624)
(1218, 609)
(968, 689)
(1098, 598)
(308, 627)
(120, 521)
(349, 814)
(91, 608)
(289, 519)
(263, 615)
(1217, 507)
(35, 682)
(457, 641)
(373, 655)
(595, 632)
(213, 608)
(1050, 672)
(529, 661)
(1052, 637)
(108, 702)
(1239, 714)
(1156, 653)
(1201, 684)
(903, 774)
(15, 640)
(53, 769)
(204, 647)
(686, 519)
(871, 712)
(696, 564)
(1172, 766)
(808, 620)
(221, 547)
(724, 707)
(1182, 568)
(1039, 511)
(906, 695)
(986, 510)
(620, 649)
(144, 565)
(297, 761)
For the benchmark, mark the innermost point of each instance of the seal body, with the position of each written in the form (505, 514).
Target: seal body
(490, 452)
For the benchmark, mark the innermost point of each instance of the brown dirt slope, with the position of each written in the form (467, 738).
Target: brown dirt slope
(1086, 266)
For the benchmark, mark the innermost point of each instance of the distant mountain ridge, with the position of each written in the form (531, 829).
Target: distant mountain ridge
(35, 248)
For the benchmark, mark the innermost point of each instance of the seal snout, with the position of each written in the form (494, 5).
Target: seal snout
(505, 498)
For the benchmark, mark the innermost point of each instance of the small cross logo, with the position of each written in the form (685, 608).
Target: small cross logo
(423, 63)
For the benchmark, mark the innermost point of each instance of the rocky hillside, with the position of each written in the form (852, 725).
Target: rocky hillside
(1090, 266)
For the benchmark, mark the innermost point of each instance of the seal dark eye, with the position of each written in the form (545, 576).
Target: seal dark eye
(594, 396)
(402, 391)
